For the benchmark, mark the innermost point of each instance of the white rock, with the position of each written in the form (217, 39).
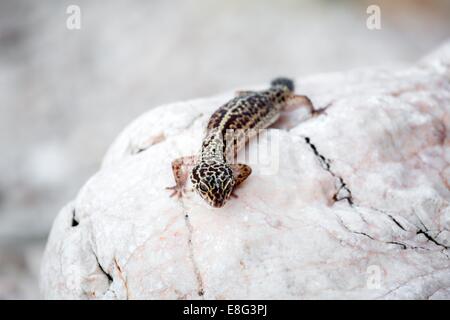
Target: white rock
(358, 208)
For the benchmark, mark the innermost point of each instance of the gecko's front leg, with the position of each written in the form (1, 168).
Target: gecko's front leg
(298, 101)
(180, 169)
(240, 172)
(242, 93)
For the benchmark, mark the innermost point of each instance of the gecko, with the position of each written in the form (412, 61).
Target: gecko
(212, 172)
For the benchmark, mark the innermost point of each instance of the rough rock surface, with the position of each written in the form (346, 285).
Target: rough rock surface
(358, 207)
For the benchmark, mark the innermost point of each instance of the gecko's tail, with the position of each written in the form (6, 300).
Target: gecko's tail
(285, 82)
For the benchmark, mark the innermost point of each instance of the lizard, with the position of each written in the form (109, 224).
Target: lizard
(214, 175)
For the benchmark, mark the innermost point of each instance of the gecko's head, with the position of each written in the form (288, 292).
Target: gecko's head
(285, 83)
(213, 182)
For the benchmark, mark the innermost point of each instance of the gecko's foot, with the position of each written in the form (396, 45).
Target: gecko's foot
(177, 191)
(317, 112)
(234, 195)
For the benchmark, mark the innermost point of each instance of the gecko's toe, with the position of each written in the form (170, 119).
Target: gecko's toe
(318, 112)
(177, 191)
(323, 110)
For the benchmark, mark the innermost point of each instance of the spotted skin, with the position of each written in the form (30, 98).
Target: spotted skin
(213, 174)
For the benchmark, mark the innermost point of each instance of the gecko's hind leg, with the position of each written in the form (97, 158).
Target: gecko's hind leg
(241, 172)
(180, 169)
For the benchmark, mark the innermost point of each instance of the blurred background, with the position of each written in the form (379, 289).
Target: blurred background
(65, 94)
